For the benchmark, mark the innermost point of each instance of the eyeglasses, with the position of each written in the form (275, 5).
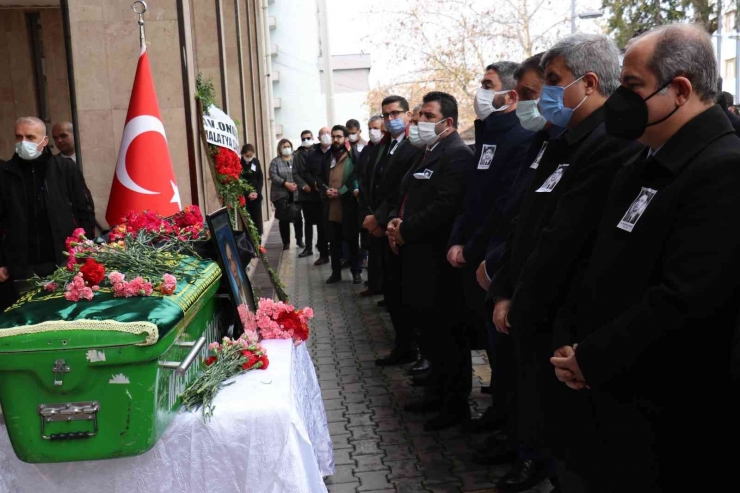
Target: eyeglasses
(392, 115)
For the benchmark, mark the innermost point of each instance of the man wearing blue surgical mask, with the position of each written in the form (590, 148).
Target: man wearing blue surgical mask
(554, 232)
(42, 200)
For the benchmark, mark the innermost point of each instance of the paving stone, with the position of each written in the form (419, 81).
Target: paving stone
(365, 419)
(342, 488)
(403, 469)
(335, 415)
(338, 428)
(368, 463)
(341, 441)
(365, 447)
(331, 394)
(449, 488)
(363, 433)
(333, 404)
(409, 486)
(376, 480)
(389, 425)
(341, 457)
(398, 452)
(354, 397)
(342, 474)
(357, 408)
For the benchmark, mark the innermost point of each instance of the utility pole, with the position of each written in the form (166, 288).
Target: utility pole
(572, 16)
(326, 58)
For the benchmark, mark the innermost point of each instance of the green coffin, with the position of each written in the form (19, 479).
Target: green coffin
(101, 379)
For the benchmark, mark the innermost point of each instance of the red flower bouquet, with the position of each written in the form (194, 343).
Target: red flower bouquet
(228, 165)
(276, 320)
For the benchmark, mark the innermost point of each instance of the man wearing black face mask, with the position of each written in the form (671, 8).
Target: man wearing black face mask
(647, 336)
(42, 200)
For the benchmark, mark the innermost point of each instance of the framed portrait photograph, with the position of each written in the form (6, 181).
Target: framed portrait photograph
(222, 234)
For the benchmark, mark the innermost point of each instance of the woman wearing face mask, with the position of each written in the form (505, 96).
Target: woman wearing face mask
(252, 172)
(282, 194)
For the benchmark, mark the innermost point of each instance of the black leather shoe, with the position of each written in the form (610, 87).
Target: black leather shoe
(489, 422)
(286, 247)
(300, 244)
(346, 264)
(306, 253)
(524, 475)
(322, 261)
(495, 450)
(396, 358)
(421, 367)
(381, 303)
(424, 406)
(420, 380)
(448, 417)
(357, 279)
(334, 279)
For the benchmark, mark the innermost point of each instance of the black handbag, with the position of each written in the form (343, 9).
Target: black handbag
(287, 210)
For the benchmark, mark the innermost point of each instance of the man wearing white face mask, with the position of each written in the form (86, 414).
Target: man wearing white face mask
(355, 135)
(501, 144)
(42, 200)
(432, 193)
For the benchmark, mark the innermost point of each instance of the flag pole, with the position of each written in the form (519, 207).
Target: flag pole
(139, 7)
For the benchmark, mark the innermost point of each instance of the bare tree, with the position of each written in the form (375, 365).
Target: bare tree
(448, 43)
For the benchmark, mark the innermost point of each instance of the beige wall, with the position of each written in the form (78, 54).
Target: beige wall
(105, 50)
(17, 88)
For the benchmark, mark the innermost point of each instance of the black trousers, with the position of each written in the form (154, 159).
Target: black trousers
(504, 378)
(375, 262)
(404, 324)
(335, 246)
(285, 231)
(312, 216)
(446, 341)
(254, 207)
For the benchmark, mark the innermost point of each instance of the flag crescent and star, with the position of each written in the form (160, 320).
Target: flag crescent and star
(144, 178)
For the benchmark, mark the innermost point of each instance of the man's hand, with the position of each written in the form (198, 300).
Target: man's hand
(253, 196)
(4, 274)
(392, 243)
(378, 232)
(396, 234)
(356, 193)
(567, 369)
(291, 186)
(307, 189)
(370, 223)
(392, 226)
(501, 315)
(453, 253)
(332, 193)
(482, 276)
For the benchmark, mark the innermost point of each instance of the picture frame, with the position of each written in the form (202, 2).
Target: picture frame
(222, 236)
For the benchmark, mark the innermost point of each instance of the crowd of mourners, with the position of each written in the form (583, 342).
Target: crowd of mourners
(588, 241)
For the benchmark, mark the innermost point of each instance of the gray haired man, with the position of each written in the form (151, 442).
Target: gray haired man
(556, 228)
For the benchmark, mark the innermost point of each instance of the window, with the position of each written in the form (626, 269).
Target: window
(728, 22)
(730, 69)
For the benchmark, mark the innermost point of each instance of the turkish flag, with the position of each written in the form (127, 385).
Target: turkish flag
(144, 178)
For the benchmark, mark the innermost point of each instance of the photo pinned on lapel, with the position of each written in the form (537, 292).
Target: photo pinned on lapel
(486, 156)
(637, 208)
(536, 162)
(553, 180)
(423, 175)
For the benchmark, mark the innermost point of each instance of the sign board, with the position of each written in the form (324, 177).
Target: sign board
(221, 130)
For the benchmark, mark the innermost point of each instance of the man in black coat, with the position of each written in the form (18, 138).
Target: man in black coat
(432, 194)
(501, 144)
(252, 173)
(652, 322)
(388, 163)
(309, 174)
(42, 200)
(555, 230)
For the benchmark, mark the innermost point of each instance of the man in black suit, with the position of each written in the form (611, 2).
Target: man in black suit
(645, 345)
(555, 230)
(309, 175)
(432, 194)
(387, 164)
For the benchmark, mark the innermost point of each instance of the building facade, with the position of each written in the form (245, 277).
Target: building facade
(76, 59)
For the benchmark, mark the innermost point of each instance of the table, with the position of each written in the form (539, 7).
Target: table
(268, 435)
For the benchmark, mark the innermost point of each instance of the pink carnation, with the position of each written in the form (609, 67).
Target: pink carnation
(116, 277)
(51, 286)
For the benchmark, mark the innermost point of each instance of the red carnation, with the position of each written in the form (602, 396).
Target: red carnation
(252, 359)
(92, 272)
(210, 360)
(265, 362)
(228, 166)
(242, 201)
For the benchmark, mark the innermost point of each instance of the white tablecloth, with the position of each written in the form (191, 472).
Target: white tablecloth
(268, 435)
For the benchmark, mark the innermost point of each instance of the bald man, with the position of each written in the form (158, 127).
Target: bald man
(652, 403)
(43, 198)
(64, 139)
